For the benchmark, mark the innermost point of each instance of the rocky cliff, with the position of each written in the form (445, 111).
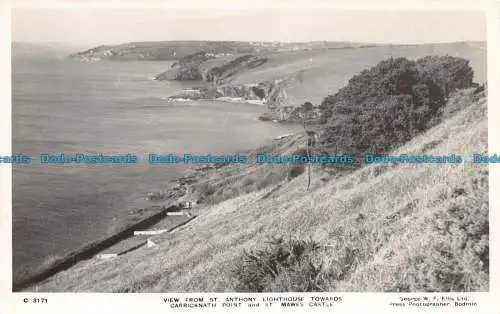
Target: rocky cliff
(209, 67)
(272, 93)
(219, 71)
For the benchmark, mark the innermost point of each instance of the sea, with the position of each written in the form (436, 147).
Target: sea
(61, 105)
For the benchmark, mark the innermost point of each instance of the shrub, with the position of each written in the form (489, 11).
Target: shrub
(281, 266)
(449, 73)
(384, 106)
(295, 170)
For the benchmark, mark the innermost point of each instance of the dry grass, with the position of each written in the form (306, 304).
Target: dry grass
(232, 180)
(387, 228)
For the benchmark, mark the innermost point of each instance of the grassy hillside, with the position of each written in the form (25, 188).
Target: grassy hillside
(377, 228)
(176, 50)
(380, 228)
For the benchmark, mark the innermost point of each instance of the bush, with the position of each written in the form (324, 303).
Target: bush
(383, 107)
(449, 73)
(295, 170)
(282, 266)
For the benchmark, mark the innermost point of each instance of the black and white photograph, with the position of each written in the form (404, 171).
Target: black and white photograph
(258, 150)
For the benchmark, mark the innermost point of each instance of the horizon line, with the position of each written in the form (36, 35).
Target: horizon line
(247, 41)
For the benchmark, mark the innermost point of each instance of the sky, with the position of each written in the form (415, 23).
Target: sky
(114, 26)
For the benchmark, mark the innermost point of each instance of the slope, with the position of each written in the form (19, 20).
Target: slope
(383, 228)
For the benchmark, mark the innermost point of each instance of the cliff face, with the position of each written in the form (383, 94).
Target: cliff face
(243, 92)
(269, 92)
(209, 67)
(186, 69)
(233, 67)
(272, 93)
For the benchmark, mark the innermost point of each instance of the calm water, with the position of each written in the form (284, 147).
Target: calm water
(63, 106)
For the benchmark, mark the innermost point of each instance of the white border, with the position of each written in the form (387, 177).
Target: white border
(493, 63)
(445, 5)
(153, 303)
(5, 149)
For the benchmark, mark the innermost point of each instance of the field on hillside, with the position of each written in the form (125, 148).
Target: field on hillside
(382, 228)
(175, 50)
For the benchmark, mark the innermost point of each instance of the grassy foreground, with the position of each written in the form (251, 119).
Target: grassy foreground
(381, 228)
